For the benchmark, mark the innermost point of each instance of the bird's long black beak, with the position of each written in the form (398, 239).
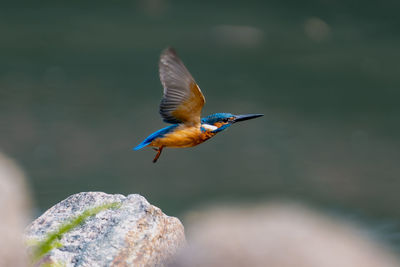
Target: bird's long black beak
(246, 117)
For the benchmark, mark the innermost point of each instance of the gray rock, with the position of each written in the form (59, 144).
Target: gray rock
(279, 234)
(135, 234)
(14, 210)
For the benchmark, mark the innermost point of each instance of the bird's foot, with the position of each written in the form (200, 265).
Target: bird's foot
(159, 150)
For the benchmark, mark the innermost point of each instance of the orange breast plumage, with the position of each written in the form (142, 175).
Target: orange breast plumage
(183, 136)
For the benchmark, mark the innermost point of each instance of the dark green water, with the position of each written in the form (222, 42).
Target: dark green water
(79, 88)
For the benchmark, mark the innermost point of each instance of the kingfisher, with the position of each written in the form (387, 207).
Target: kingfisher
(181, 106)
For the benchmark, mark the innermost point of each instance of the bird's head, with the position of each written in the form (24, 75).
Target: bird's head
(220, 121)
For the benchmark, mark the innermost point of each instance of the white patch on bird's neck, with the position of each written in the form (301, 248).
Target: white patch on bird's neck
(209, 127)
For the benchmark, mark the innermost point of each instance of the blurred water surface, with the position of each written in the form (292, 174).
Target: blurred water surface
(79, 88)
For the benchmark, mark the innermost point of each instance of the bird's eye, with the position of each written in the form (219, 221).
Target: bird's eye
(225, 120)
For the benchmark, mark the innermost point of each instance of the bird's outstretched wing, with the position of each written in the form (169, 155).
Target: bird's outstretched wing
(182, 100)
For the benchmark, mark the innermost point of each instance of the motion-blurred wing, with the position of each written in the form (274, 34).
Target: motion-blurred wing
(183, 100)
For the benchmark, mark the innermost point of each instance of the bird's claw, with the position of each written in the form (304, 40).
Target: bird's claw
(159, 150)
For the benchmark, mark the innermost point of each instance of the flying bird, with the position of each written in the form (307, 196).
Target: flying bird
(181, 106)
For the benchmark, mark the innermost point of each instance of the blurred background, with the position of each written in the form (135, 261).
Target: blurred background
(79, 88)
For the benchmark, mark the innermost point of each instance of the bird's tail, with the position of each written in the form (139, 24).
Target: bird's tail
(159, 133)
(142, 145)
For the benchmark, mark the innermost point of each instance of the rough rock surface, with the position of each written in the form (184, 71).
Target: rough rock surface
(135, 234)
